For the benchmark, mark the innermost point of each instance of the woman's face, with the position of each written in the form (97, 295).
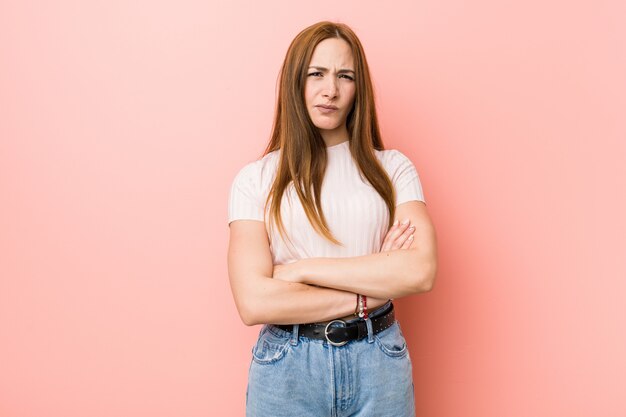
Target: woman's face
(330, 81)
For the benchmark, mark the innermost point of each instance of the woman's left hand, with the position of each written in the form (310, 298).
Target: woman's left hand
(287, 272)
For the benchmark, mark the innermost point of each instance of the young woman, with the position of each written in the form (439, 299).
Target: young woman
(314, 254)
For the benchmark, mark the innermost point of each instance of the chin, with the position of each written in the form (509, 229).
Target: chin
(327, 126)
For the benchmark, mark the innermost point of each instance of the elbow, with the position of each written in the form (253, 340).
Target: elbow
(248, 314)
(429, 281)
(248, 319)
(253, 307)
(425, 280)
(427, 285)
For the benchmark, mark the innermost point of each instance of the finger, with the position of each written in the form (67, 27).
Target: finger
(403, 237)
(393, 234)
(387, 239)
(407, 242)
(397, 237)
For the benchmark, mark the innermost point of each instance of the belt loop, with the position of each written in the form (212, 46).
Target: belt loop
(294, 335)
(370, 330)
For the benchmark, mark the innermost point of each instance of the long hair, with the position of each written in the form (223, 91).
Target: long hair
(302, 148)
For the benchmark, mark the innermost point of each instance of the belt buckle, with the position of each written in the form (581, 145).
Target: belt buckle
(326, 333)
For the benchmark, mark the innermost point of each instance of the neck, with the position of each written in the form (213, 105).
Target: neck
(335, 137)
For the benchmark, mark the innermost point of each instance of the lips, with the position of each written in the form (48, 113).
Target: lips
(327, 107)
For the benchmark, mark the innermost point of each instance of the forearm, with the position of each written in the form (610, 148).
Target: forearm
(279, 302)
(390, 274)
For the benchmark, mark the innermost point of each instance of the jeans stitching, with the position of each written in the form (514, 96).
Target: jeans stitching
(279, 351)
(389, 352)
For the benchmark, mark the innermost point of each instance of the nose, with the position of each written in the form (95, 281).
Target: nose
(331, 88)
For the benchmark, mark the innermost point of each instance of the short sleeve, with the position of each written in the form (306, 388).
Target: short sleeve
(405, 179)
(244, 202)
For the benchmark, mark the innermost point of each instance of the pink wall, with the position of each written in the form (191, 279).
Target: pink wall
(123, 123)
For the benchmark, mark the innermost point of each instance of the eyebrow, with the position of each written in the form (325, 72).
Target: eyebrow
(341, 70)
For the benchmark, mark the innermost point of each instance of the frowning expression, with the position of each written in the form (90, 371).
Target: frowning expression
(330, 85)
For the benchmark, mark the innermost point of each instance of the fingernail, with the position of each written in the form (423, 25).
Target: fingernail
(405, 221)
(412, 228)
(411, 237)
(396, 222)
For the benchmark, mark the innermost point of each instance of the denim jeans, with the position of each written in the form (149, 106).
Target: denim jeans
(294, 376)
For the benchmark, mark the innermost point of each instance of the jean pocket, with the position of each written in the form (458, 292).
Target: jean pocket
(391, 341)
(271, 346)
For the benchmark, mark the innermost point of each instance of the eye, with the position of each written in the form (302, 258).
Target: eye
(344, 75)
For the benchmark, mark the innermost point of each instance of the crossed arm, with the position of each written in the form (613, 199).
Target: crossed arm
(319, 289)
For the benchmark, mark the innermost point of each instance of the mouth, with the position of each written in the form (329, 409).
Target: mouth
(326, 107)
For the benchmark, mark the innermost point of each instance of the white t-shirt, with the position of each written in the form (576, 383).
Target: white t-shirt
(355, 213)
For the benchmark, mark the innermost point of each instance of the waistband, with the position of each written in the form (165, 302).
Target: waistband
(339, 332)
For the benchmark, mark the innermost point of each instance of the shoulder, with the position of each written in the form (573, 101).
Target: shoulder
(249, 188)
(258, 168)
(403, 175)
(393, 159)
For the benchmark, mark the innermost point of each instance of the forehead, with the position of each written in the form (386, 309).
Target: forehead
(332, 52)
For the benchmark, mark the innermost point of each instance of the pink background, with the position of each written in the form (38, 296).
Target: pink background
(123, 123)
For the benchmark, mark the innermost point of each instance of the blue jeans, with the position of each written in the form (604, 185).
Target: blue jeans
(294, 376)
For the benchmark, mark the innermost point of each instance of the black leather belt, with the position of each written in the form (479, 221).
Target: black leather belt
(340, 332)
